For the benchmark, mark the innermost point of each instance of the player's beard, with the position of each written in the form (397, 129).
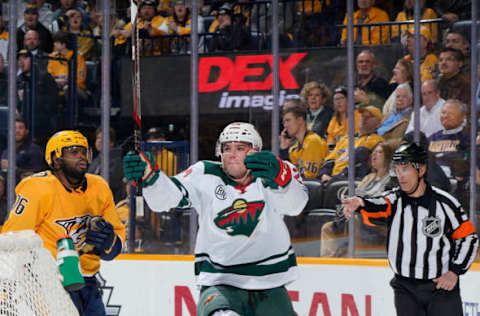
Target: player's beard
(74, 175)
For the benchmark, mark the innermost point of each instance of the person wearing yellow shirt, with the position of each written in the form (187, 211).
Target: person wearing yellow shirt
(338, 125)
(309, 7)
(64, 200)
(165, 159)
(407, 15)
(85, 40)
(367, 13)
(336, 163)
(4, 36)
(427, 60)
(149, 25)
(307, 150)
(59, 68)
(180, 23)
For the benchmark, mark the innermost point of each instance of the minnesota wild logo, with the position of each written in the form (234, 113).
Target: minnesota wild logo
(241, 218)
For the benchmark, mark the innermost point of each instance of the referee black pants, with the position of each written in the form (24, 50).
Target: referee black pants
(421, 298)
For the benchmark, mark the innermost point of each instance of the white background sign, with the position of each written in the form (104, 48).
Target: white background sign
(343, 287)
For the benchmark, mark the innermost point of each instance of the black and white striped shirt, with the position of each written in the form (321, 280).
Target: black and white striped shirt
(427, 236)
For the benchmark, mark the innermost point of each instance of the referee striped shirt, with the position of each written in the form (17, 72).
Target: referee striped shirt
(427, 236)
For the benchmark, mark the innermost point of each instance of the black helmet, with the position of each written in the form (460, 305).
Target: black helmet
(410, 153)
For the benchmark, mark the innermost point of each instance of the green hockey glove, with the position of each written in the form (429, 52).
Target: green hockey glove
(274, 172)
(140, 166)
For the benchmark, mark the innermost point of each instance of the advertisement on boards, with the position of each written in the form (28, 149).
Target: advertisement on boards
(341, 288)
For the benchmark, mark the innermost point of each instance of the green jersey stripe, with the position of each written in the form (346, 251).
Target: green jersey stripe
(248, 269)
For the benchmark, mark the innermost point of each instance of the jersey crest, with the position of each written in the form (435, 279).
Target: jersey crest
(432, 226)
(76, 227)
(241, 218)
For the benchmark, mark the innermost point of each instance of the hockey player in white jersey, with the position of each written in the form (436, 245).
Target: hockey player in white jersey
(243, 253)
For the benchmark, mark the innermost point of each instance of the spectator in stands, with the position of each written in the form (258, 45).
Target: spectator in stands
(83, 35)
(149, 25)
(180, 24)
(116, 170)
(338, 125)
(4, 36)
(31, 42)
(59, 68)
(317, 18)
(395, 124)
(29, 156)
(164, 8)
(453, 84)
(3, 83)
(453, 10)
(45, 12)
(407, 15)
(450, 146)
(430, 111)
(334, 238)
(367, 13)
(32, 23)
(230, 32)
(458, 40)
(116, 26)
(166, 226)
(166, 160)
(308, 150)
(402, 73)
(428, 60)
(370, 89)
(336, 163)
(60, 19)
(45, 106)
(317, 97)
(3, 200)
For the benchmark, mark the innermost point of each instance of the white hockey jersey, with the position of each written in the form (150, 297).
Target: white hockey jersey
(242, 239)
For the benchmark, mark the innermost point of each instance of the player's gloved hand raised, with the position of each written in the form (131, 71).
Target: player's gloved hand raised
(271, 169)
(101, 236)
(140, 166)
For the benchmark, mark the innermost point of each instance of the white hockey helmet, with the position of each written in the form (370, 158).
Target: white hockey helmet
(239, 132)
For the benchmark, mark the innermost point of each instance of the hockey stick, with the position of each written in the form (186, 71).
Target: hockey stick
(137, 118)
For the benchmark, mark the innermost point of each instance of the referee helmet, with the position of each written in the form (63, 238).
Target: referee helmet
(410, 153)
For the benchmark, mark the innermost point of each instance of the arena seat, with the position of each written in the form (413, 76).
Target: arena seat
(332, 193)
(314, 194)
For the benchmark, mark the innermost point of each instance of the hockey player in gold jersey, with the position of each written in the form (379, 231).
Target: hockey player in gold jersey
(63, 201)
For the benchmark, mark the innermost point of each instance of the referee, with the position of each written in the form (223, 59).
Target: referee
(430, 239)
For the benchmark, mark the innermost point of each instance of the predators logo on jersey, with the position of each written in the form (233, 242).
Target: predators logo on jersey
(76, 227)
(241, 218)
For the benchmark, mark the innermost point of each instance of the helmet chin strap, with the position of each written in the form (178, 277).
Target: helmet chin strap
(418, 183)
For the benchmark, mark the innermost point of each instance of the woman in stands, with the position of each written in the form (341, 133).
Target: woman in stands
(338, 125)
(402, 73)
(317, 97)
(333, 241)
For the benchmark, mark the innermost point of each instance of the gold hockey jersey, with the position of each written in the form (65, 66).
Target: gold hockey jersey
(309, 155)
(46, 206)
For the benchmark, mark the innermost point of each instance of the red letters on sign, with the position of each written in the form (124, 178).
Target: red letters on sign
(183, 294)
(319, 298)
(242, 74)
(348, 305)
